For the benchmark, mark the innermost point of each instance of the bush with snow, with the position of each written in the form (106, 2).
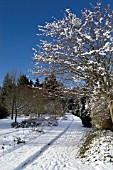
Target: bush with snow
(98, 147)
(34, 122)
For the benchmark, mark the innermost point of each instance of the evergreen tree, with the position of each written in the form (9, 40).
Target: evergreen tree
(23, 80)
(3, 111)
(8, 93)
(37, 83)
(51, 83)
(7, 84)
(31, 83)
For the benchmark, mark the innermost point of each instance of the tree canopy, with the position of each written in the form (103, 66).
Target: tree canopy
(80, 49)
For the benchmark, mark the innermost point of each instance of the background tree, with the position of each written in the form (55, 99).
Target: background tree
(37, 83)
(23, 80)
(80, 49)
(3, 110)
(9, 92)
(39, 100)
(56, 100)
(24, 96)
(51, 84)
(24, 101)
(31, 83)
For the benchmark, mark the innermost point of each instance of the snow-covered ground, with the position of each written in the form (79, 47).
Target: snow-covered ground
(55, 148)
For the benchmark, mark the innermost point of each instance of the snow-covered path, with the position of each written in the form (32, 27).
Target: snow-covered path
(27, 152)
(56, 149)
(61, 154)
(55, 144)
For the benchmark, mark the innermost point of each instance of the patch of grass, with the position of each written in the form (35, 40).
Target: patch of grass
(90, 136)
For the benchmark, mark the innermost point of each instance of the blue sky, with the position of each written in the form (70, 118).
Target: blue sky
(18, 27)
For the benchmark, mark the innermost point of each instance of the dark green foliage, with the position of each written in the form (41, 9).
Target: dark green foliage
(77, 108)
(86, 120)
(37, 83)
(3, 112)
(50, 83)
(31, 83)
(23, 80)
(14, 124)
(71, 104)
(52, 86)
(8, 93)
(7, 84)
(18, 96)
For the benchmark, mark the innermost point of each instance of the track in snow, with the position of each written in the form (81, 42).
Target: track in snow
(60, 155)
(21, 156)
(15, 135)
(43, 149)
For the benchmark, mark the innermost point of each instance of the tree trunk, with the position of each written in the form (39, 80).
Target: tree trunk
(12, 112)
(111, 109)
(15, 113)
(16, 117)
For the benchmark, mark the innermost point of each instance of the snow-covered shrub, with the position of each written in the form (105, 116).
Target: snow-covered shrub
(35, 122)
(100, 115)
(88, 141)
(85, 112)
(77, 108)
(71, 104)
(52, 121)
(82, 109)
(86, 118)
(19, 140)
(15, 125)
(97, 147)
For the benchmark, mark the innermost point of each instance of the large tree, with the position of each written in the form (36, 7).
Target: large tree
(80, 49)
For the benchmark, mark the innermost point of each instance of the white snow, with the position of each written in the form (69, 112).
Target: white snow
(56, 148)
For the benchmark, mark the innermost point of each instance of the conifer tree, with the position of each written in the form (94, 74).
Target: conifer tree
(23, 80)
(37, 83)
(9, 93)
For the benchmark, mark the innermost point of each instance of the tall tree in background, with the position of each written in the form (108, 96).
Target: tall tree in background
(37, 83)
(23, 80)
(9, 92)
(51, 84)
(31, 83)
(3, 110)
(80, 49)
(24, 96)
(56, 99)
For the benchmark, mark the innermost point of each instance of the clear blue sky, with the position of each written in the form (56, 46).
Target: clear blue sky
(18, 27)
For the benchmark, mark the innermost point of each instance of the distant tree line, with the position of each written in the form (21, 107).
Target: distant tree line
(23, 96)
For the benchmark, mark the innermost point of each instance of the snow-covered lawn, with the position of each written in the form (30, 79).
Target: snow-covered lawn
(55, 148)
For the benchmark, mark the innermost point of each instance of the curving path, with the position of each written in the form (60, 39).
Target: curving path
(61, 154)
(54, 150)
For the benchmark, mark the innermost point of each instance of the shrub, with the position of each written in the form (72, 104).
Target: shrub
(89, 138)
(3, 112)
(101, 119)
